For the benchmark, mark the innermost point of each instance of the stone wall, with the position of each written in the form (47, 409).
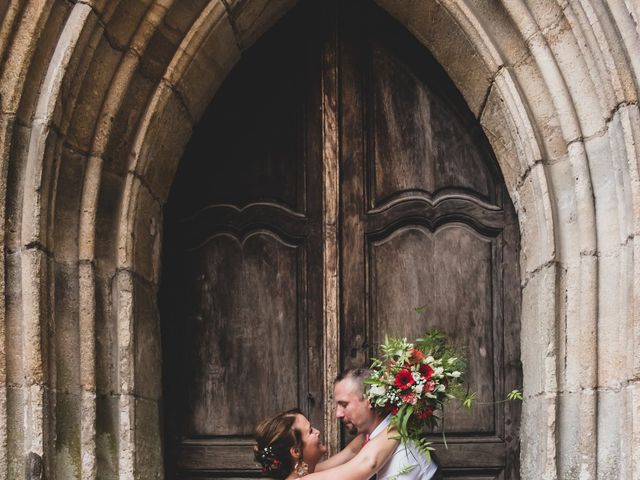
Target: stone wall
(97, 100)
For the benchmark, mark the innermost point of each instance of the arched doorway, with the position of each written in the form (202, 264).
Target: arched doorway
(336, 183)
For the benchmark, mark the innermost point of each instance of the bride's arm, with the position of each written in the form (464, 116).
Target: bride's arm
(344, 455)
(368, 461)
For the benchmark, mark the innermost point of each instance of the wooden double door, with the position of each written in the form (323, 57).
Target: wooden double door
(336, 190)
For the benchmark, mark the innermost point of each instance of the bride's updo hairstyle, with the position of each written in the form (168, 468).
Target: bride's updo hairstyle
(275, 437)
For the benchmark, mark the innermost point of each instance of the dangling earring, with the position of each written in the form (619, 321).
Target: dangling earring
(301, 468)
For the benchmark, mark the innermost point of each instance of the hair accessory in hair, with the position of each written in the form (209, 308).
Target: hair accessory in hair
(268, 459)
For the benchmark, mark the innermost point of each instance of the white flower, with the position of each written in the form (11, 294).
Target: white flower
(429, 359)
(377, 390)
(418, 388)
(452, 359)
(416, 376)
(381, 402)
(455, 374)
(438, 371)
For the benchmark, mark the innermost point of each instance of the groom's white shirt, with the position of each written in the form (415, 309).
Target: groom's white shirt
(402, 458)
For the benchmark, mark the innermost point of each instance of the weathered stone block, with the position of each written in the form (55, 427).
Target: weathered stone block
(615, 318)
(617, 21)
(579, 324)
(533, 203)
(538, 437)
(538, 330)
(182, 15)
(254, 17)
(88, 106)
(148, 346)
(514, 151)
(107, 218)
(124, 304)
(147, 233)
(501, 32)
(541, 108)
(13, 320)
(561, 179)
(149, 465)
(106, 335)
(610, 180)
(49, 35)
(15, 186)
(127, 122)
(168, 128)
(586, 95)
(67, 339)
(82, 31)
(633, 423)
(66, 216)
(612, 435)
(125, 21)
(107, 412)
(36, 314)
(159, 52)
(15, 431)
(39, 186)
(7, 126)
(576, 435)
(68, 453)
(203, 66)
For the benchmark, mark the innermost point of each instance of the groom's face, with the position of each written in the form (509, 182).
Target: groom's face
(352, 408)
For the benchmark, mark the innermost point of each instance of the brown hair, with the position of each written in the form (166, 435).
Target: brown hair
(275, 437)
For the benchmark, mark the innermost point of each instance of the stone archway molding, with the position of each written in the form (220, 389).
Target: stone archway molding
(103, 95)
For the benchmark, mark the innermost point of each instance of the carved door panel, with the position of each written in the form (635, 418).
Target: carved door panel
(424, 221)
(241, 293)
(429, 237)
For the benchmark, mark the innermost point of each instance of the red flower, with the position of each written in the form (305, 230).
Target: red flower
(416, 355)
(404, 379)
(426, 371)
(426, 413)
(409, 398)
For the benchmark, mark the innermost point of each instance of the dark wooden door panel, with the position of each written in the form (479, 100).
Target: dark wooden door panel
(237, 282)
(216, 457)
(412, 268)
(423, 200)
(424, 221)
(419, 141)
(241, 294)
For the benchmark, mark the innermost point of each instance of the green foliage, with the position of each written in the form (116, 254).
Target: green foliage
(468, 400)
(414, 381)
(403, 471)
(515, 395)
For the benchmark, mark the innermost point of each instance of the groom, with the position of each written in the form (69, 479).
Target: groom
(358, 416)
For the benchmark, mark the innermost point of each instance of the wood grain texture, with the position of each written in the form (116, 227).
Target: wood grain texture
(242, 293)
(424, 225)
(315, 209)
(330, 214)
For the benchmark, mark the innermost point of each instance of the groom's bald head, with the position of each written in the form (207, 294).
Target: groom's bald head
(357, 376)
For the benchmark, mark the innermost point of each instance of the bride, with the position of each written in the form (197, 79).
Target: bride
(288, 447)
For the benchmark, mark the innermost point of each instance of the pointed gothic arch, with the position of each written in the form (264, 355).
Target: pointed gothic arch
(91, 94)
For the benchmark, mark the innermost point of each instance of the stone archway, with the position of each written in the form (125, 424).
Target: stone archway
(97, 101)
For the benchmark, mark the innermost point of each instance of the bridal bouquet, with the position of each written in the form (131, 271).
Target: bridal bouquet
(412, 382)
